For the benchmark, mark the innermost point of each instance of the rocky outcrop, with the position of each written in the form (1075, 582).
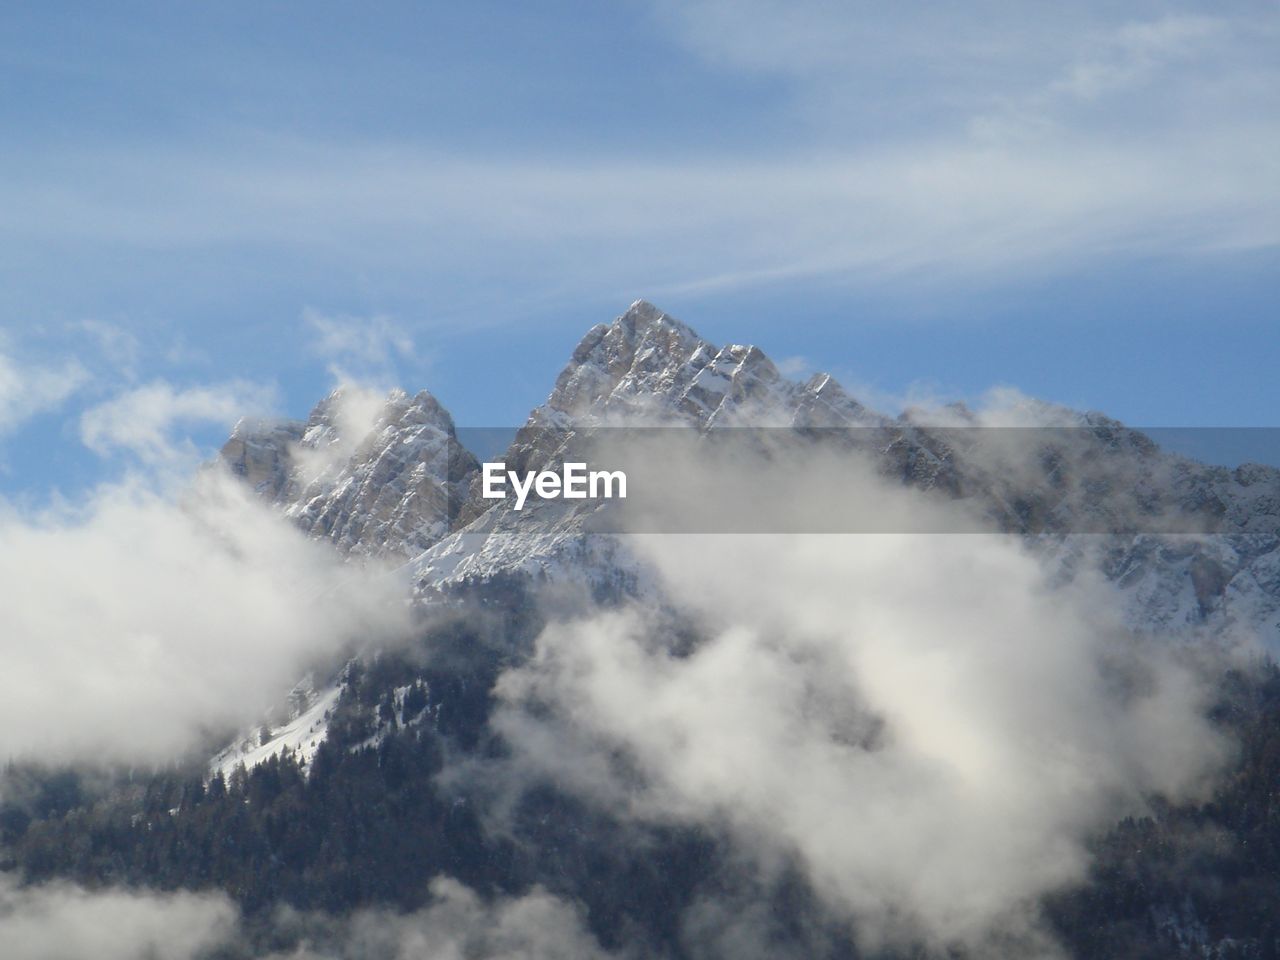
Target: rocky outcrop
(390, 484)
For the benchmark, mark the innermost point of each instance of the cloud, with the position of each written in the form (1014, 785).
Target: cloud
(164, 610)
(141, 421)
(928, 725)
(850, 63)
(535, 926)
(353, 411)
(937, 144)
(952, 209)
(369, 343)
(794, 366)
(68, 922)
(29, 389)
(1136, 52)
(139, 625)
(71, 923)
(121, 348)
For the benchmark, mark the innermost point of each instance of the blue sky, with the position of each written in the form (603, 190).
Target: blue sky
(209, 208)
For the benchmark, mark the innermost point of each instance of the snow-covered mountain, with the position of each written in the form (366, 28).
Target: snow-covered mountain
(1192, 546)
(645, 369)
(387, 479)
(395, 481)
(1193, 549)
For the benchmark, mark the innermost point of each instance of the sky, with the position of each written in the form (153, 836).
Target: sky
(210, 210)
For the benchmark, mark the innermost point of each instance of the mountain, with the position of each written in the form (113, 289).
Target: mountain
(389, 479)
(393, 480)
(645, 369)
(350, 770)
(1193, 550)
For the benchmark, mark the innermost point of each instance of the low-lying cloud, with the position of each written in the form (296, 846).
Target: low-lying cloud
(458, 923)
(138, 623)
(69, 922)
(929, 725)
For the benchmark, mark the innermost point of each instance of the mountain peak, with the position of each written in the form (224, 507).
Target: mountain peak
(648, 367)
(643, 319)
(376, 474)
(643, 310)
(642, 348)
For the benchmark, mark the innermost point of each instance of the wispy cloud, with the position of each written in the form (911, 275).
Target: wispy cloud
(117, 345)
(142, 421)
(882, 711)
(157, 619)
(28, 389)
(358, 347)
(940, 65)
(978, 143)
(957, 207)
(73, 923)
(62, 920)
(1136, 53)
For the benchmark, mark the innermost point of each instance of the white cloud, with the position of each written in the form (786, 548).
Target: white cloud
(30, 389)
(70, 923)
(937, 208)
(353, 411)
(141, 421)
(121, 348)
(66, 922)
(535, 926)
(138, 625)
(925, 723)
(1136, 52)
(369, 342)
(949, 63)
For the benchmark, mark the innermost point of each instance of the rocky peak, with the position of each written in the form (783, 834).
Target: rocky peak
(384, 474)
(643, 351)
(375, 475)
(258, 451)
(822, 402)
(646, 367)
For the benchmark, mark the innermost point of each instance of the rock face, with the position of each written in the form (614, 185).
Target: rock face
(645, 369)
(260, 452)
(648, 368)
(380, 479)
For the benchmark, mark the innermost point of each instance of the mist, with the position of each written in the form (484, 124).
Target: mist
(66, 920)
(930, 725)
(141, 622)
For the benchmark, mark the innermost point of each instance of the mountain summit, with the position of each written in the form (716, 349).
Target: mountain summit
(372, 475)
(648, 367)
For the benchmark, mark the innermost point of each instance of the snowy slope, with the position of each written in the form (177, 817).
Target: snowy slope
(301, 734)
